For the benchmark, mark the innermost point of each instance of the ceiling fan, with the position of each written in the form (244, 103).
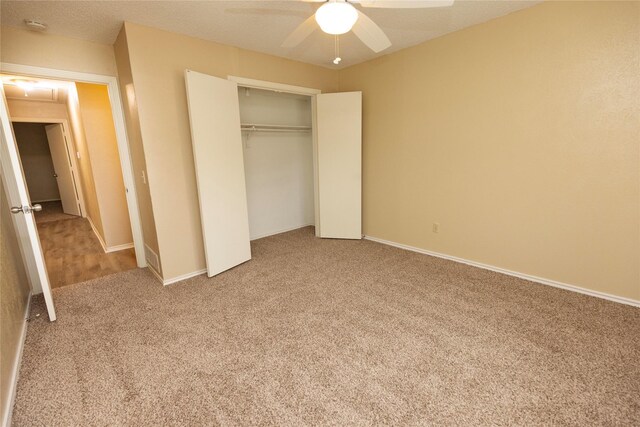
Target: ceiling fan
(340, 16)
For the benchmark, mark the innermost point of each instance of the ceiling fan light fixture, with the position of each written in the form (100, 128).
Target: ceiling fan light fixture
(336, 17)
(24, 84)
(34, 25)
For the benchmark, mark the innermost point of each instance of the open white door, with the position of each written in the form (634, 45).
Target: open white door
(14, 182)
(63, 169)
(339, 165)
(214, 114)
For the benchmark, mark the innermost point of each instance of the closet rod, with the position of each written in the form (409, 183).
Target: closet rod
(274, 128)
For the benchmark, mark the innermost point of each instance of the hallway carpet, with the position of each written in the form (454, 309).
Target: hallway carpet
(330, 332)
(52, 211)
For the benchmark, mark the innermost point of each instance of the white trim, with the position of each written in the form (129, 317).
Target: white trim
(15, 369)
(541, 280)
(273, 233)
(45, 201)
(95, 231)
(105, 248)
(117, 248)
(184, 277)
(121, 136)
(75, 171)
(278, 87)
(316, 177)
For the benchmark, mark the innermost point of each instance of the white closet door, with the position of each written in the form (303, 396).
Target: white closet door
(62, 166)
(339, 165)
(217, 149)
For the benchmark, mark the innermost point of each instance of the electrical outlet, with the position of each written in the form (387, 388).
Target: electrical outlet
(436, 227)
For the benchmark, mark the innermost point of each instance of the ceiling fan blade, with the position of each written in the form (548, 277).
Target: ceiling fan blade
(370, 34)
(263, 12)
(403, 4)
(303, 31)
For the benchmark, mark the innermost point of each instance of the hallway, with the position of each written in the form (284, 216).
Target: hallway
(72, 251)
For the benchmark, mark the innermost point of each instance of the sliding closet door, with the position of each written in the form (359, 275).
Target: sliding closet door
(217, 149)
(339, 165)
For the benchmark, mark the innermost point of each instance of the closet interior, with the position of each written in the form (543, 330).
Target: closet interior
(277, 145)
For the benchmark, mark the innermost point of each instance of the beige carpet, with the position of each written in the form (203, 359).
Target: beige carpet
(329, 332)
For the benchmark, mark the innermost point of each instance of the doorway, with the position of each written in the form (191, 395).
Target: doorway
(216, 134)
(68, 151)
(49, 168)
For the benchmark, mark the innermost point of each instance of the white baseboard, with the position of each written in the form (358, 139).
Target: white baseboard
(15, 369)
(45, 201)
(183, 277)
(273, 233)
(166, 282)
(105, 248)
(119, 247)
(541, 280)
(95, 231)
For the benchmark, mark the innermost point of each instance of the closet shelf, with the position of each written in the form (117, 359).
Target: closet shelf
(254, 127)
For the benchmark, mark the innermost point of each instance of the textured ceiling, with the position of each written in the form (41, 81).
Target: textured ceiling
(255, 25)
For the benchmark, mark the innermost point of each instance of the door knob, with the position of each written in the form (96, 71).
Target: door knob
(25, 209)
(55, 175)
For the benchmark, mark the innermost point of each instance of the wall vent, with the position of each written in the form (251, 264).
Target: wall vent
(152, 258)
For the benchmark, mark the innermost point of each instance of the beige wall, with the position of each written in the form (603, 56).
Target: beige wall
(158, 60)
(20, 46)
(37, 164)
(85, 170)
(14, 296)
(100, 137)
(520, 137)
(128, 95)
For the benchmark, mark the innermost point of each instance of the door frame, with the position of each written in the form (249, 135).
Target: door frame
(72, 155)
(297, 90)
(117, 113)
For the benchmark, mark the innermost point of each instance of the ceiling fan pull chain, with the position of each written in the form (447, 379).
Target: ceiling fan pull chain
(336, 47)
